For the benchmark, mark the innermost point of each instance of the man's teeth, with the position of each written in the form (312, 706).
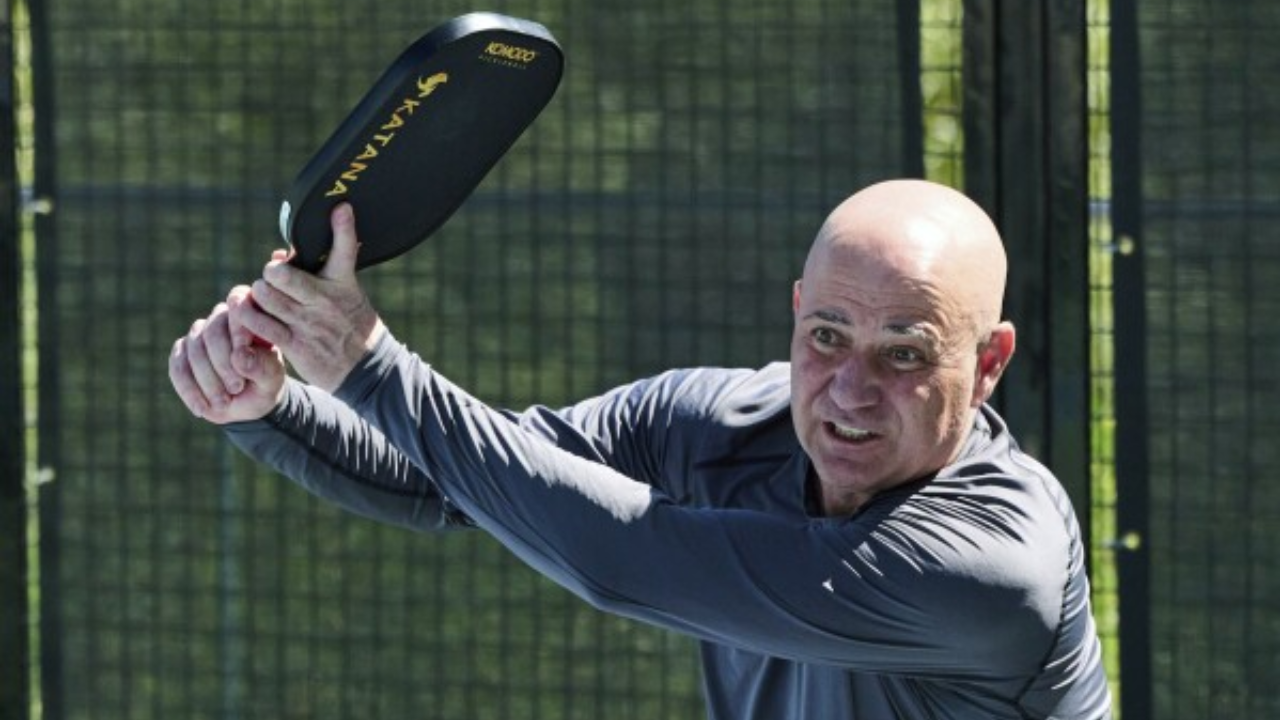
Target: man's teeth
(851, 433)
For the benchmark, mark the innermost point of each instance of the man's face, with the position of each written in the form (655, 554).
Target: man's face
(883, 373)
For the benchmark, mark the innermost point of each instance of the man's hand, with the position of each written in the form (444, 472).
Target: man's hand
(222, 383)
(323, 323)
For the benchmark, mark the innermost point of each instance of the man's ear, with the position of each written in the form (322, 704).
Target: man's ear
(795, 297)
(993, 357)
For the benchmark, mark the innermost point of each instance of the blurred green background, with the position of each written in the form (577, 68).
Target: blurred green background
(654, 216)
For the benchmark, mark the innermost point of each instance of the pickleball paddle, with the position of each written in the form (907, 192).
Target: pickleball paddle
(425, 135)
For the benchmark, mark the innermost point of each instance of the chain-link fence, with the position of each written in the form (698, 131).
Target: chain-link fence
(654, 216)
(1197, 161)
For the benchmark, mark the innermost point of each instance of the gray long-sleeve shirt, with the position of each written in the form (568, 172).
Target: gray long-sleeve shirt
(681, 501)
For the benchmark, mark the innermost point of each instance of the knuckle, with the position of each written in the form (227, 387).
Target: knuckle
(266, 295)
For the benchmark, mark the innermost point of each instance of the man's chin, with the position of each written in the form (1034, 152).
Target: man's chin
(846, 477)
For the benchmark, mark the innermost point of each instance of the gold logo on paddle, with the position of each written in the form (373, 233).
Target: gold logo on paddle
(386, 134)
(511, 52)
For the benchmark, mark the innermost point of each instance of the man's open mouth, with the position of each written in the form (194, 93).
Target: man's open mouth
(850, 434)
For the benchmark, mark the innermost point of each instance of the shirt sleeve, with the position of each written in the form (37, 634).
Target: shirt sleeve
(328, 450)
(931, 583)
(640, 429)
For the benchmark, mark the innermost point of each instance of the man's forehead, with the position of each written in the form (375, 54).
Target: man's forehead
(859, 291)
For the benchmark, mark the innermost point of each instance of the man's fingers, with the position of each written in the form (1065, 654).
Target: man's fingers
(290, 283)
(270, 313)
(342, 256)
(240, 336)
(254, 316)
(218, 346)
(237, 295)
(184, 382)
(207, 379)
(221, 381)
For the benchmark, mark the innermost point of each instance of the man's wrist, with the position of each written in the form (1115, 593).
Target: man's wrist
(354, 349)
(273, 415)
(365, 375)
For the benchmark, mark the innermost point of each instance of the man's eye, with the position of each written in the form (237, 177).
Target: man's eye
(824, 336)
(905, 356)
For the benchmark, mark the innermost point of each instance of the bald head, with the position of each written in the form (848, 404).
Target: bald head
(926, 233)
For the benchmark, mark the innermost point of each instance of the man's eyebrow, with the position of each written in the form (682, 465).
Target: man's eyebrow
(831, 316)
(913, 329)
(918, 331)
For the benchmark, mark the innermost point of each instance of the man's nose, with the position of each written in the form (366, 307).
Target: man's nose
(856, 383)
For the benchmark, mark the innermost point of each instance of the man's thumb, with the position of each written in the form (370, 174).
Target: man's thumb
(341, 262)
(250, 363)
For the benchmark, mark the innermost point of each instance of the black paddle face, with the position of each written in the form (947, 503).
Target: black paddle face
(424, 137)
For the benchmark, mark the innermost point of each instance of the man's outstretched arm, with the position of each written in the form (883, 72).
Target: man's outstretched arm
(298, 430)
(324, 447)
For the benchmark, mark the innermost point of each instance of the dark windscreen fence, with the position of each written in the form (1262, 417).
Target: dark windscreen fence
(654, 216)
(1205, 191)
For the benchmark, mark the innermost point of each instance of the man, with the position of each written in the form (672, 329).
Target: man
(852, 535)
